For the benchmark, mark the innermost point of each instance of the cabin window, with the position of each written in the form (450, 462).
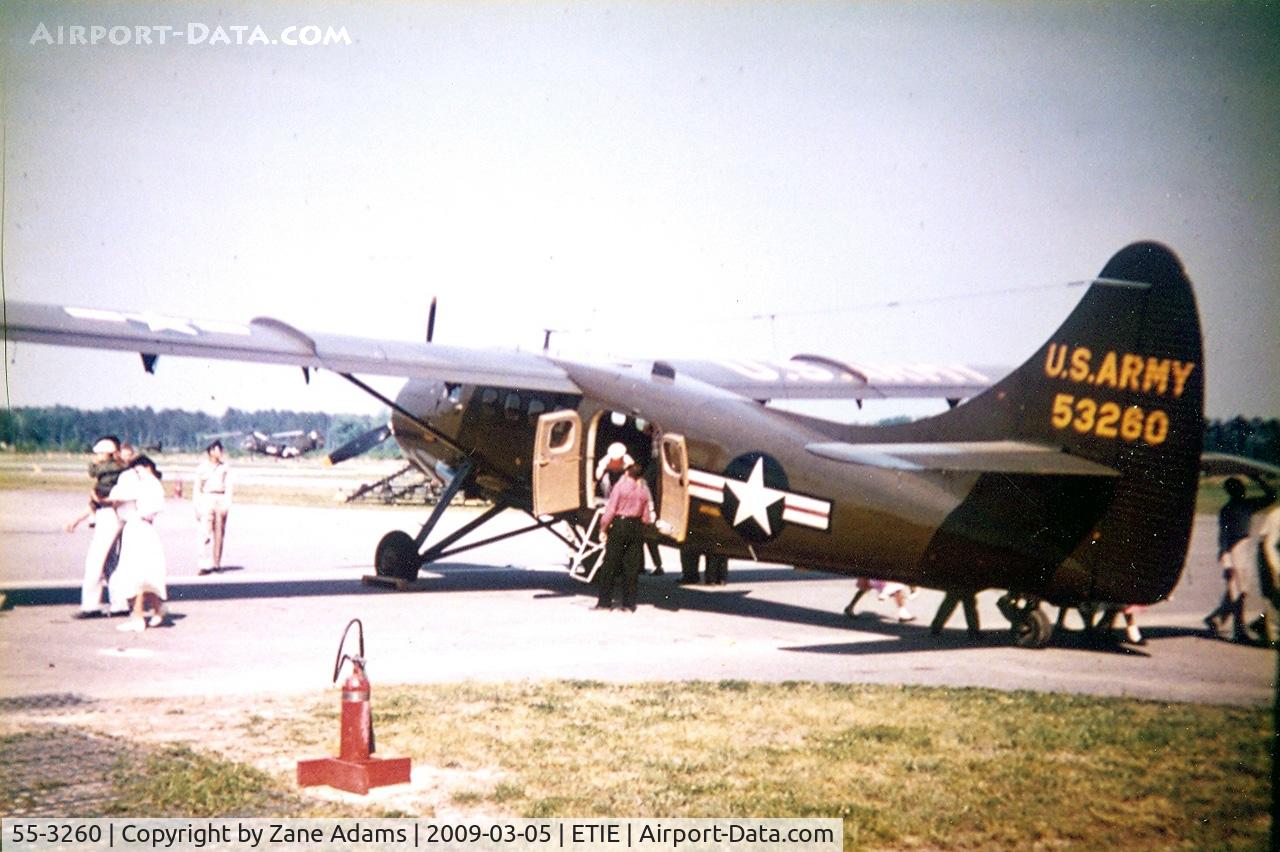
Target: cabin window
(672, 457)
(561, 435)
(536, 407)
(489, 397)
(511, 406)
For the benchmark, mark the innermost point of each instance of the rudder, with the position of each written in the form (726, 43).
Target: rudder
(1121, 383)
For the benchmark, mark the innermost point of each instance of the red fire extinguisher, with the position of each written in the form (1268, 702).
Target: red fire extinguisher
(357, 714)
(354, 769)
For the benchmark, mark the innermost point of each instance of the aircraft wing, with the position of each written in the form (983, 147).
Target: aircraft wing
(1224, 464)
(270, 341)
(818, 377)
(964, 456)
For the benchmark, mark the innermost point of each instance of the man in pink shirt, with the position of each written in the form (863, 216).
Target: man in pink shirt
(629, 508)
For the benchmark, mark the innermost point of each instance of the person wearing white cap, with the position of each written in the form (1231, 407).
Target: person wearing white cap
(610, 468)
(105, 470)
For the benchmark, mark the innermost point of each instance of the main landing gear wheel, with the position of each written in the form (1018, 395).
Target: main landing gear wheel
(397, 556)
(1031, 627)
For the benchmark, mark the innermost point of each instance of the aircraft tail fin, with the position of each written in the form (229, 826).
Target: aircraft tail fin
(1119, 384)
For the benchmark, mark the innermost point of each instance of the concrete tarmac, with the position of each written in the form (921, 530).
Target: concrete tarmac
(509, 611)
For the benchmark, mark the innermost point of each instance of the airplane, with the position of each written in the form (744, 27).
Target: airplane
(281, 445)
(284, 445)
(1071, 480)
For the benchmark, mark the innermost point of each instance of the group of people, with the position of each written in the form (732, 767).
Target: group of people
(610, 469)
(1235, 551)
(125, 555)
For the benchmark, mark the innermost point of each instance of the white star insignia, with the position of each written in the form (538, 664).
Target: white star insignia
(754, 498)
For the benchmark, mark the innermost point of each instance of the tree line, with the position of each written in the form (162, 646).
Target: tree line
(74, 430)
(67, 429)
(1256, 438)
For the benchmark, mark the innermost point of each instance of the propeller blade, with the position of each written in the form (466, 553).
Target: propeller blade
(431, 320)
(360, 444)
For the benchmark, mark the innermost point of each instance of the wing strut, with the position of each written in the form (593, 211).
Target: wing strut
(451, 490)
(440, 549)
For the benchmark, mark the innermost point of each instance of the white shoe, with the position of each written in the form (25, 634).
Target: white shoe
(133, 625)
(155, 621)
(904, 616)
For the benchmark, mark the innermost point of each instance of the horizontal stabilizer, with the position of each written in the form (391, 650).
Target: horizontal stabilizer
(1224, 464)
(819, 377)
(968, 456)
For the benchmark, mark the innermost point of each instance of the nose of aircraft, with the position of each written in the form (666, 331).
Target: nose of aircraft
(426, 399)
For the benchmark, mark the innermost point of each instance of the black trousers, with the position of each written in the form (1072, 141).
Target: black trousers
(689, 565)
(623, 562)
(717, 573)
(717, 570)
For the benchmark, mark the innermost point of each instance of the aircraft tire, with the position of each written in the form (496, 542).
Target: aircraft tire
(397, 556)
(1032, 630)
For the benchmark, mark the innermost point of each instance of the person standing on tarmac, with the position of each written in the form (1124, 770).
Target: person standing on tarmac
(138, 497)
(629, 508)
(1234, 553)
(1267, 625)
(212, 496)
(105, 469)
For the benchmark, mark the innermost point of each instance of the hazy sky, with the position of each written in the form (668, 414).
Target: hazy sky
(682, 167)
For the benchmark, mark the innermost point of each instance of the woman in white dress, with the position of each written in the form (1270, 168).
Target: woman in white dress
(138, 497)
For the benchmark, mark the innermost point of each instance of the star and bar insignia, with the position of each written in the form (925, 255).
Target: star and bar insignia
(756, 498)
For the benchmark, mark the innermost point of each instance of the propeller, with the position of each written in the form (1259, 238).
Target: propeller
(360, 444)
(431, 320)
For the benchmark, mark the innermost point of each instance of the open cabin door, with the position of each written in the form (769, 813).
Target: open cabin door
(557, 463)
(673, 509)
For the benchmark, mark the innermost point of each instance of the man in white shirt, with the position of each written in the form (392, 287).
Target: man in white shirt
(212, 497)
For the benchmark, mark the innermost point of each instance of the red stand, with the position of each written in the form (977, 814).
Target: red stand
(353, 776)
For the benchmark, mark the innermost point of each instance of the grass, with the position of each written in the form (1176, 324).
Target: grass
(294, 482)
(178, 782)
(903, 766)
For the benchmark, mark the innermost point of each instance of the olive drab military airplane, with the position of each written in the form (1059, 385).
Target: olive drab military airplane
(1071, 480)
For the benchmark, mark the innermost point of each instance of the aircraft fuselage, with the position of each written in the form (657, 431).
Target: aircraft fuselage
(756, 491)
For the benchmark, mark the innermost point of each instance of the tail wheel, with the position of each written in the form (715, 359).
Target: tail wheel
(397, 556)
(1031, 627)
(1032, 630)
